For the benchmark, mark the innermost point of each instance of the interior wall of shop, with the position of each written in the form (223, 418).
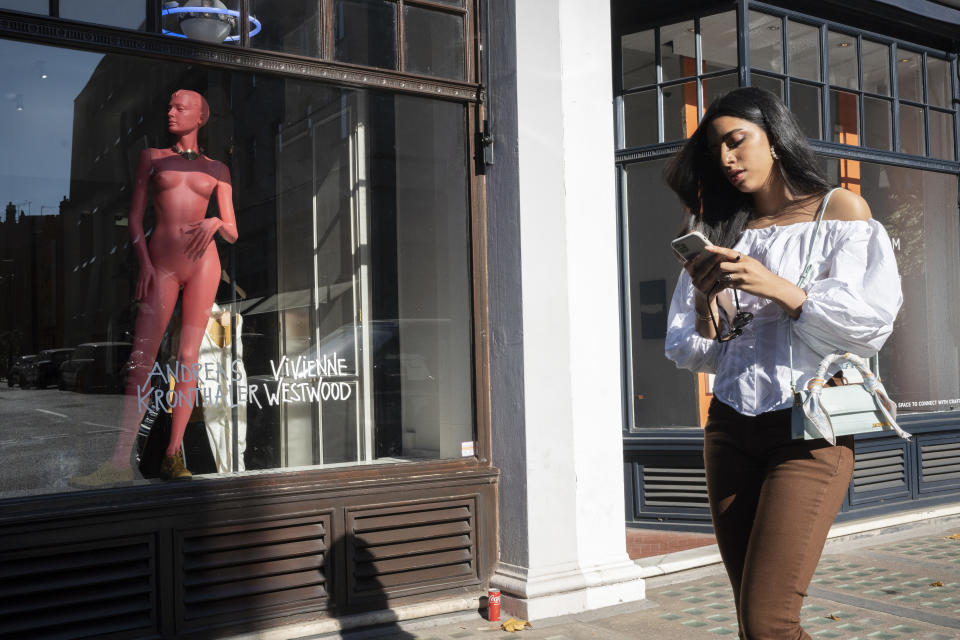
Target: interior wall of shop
(663, 468)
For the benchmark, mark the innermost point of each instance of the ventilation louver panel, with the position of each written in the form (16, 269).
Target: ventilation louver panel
(403, 548)
(242, 569)
(78, 591)
(674, 487)
(879, 470)
(940, 462)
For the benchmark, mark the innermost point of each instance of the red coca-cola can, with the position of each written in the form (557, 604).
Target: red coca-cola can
(493, 605)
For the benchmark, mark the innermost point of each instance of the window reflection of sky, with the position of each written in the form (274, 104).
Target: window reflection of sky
(37, 141)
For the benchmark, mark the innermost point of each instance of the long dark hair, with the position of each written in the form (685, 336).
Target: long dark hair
(719, 210)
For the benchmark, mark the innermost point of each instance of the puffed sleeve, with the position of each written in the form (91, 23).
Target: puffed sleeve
(854, 305)
(684, 344)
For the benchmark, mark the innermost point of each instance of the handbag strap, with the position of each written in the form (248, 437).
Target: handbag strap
(804, 277)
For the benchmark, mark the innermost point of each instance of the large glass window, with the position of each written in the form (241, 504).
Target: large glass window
(341, 326)
(920, 363)
(882, 95)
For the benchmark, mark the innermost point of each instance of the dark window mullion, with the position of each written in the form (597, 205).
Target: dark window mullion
(244, 24)
(54, 8)
(955, 97)
(895, 94)
(861, 122)
(401, 57)
(658, 61)
(153, 22)
(785, 48)
(743, 42)
(698, 61)
(924, 94)
(826, 134)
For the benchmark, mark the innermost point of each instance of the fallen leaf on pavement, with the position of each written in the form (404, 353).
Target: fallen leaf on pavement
(832, 617)
(955, 536)
(938, 583)
(515, 625)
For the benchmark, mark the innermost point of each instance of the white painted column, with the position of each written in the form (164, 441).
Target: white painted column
(575, 555)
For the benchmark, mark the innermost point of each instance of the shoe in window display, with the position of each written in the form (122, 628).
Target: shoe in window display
(106, 475)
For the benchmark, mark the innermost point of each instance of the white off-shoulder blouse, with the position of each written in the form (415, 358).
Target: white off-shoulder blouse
(852, 300)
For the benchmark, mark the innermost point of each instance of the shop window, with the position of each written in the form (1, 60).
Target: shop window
(938, 82)
(912, 130)
(291, 26)
(877, 123)
(365, 32)
(882, 95)
(771, 84)
(638, 60)
(125, 14)
(941, 135)
(845, 117)
(718, 35)
(678, 50)
(433, 42)
(910, 75)
(920, 363)
(806, 106)
(842, 50)
(876, 67)
(640, 118)
(26, 6)
(679, 110)
(341, 332)
(661, 394)
(804, 51)
(766, 42)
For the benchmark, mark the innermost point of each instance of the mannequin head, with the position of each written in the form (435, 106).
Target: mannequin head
(187, 112)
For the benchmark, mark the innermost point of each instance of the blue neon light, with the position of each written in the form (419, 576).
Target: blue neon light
(228, 12)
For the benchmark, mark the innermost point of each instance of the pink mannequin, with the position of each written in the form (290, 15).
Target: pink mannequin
(181, 254)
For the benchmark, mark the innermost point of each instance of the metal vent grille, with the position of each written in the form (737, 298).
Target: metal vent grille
(940, 462)
(78, 591)
(410, 548)
(879, 470)
(673, 487)
(245, 568)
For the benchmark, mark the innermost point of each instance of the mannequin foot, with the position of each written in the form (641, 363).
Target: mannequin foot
(105, 475)
(172, 468)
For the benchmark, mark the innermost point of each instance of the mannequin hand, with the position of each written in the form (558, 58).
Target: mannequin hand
(202, 233)
(145, 281)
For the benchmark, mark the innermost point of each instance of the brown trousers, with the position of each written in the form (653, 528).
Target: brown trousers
(773, 500)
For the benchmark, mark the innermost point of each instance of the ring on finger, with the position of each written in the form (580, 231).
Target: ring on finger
(737, 259)
(726, 278)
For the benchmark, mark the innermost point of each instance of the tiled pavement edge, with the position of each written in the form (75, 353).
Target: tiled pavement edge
(882, 591)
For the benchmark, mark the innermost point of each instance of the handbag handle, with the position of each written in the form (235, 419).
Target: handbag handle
(804, 276)
(814, 408)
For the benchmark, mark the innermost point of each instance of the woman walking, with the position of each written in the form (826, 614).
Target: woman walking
(753, 187)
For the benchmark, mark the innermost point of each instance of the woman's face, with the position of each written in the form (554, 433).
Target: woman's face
(742, 150)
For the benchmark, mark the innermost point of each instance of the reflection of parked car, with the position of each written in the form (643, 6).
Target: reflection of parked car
(45, 370)
(15, 375)
(96, 366)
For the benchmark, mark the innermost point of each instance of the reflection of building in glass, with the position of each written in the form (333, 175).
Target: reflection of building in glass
(31, 285)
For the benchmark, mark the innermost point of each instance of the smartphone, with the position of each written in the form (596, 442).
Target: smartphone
(690, 246)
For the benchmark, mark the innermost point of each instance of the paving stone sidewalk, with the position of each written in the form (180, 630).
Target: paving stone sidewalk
(908, 590)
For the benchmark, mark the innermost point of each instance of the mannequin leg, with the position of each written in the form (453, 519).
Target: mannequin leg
(152, 320)
(198, 296)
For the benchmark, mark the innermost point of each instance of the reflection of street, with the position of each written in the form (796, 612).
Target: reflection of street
(47, 436)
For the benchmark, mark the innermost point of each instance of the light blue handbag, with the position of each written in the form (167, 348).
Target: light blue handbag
(825, 412)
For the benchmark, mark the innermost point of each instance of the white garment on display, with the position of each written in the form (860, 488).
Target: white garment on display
(216, 377)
